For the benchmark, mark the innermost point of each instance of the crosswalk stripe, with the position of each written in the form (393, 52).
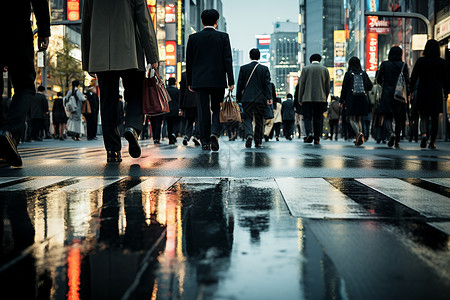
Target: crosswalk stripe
(427, 203)
(8, 179)
(91, 183)
(316, 198)
(445, 182)
(162, 183)
(35, 184)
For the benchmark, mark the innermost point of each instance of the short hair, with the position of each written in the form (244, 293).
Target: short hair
(315, 57)
(120, 96)
(41, 88)
(289, 96)
(210, 17)
(172, 81)
(431, 49)
(75, 83)
(255, 54)
(59, 94)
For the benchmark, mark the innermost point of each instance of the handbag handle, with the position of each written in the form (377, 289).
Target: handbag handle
(250, 77)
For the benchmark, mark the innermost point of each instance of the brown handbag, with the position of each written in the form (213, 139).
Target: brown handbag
(230, 111)
(155, 98)
(86, 108)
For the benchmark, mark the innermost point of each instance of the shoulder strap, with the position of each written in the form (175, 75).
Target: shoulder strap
(250, 77)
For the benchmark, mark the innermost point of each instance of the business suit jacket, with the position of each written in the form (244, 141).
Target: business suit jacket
(39, 106)
(187, 98)
(287, 110)
(119, 39)
(259, 88)
(174, 105)
(209, 60)
(387, 78)
(432, 75)
(314, 84)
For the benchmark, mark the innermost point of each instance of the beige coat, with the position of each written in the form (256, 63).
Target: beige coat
(115, 35)
(314, 83)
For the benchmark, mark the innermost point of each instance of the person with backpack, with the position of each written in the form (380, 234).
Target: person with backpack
(73, 103)
(389, 108)
(355, 87)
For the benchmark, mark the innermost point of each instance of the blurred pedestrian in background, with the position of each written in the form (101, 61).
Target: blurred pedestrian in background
(268, 126)
(173, 117)
(74, 122)
(59, 117)
(354, 96)
(92, 118)
(288, 116)
(431, 76)
(156, 122)
(334, 112)
(313, 93)
(38, 111)
(17, 55)
(299, 124)
(389, 108)
(121, 112)
(188, 107)
(114, 50)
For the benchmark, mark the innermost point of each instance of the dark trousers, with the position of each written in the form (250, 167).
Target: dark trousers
(334, 128)
(91, 125)
(173, 125)
(400, 119)
(37, 125)
(192, 118)
(209, 99)
(254, 111)
(288, 128)
(313, 117)
(19, 57)
(109, 87)
(156, 122)
(425, 120)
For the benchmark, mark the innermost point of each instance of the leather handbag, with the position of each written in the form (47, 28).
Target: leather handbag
(155, 98)
(86, 108)
(230, 111)
(268, 112)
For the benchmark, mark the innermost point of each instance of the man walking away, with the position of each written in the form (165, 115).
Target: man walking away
(334, 112)
(17, 54)
(208, 67)
(92, 118)
(254, 91)
(188, 108)
(38, 111)
(172, 118)
(313, 94)
(288, 116)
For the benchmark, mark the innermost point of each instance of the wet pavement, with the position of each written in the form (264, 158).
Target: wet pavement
(288, 221)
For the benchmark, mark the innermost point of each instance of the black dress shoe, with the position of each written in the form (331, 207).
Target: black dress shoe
(8, 147)
(196, 142)
(134, 149)
(113, 156)
(185, 141)
(214, 143)
(248, 142)
(308, 139)
(423, 143)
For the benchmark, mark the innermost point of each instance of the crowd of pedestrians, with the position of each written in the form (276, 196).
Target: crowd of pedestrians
(126, 50)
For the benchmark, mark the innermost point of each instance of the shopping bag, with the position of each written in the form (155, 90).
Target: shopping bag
(86, 108)
(230, 111)
(268, 112)
(155, 98)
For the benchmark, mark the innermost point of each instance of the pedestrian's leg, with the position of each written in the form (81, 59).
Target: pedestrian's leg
(259, 121)
(317, 121)
(156, 122)
(204, 115)
(434, 130)
(217, 95)
(248, 119)
(132, 83)
(307, 117)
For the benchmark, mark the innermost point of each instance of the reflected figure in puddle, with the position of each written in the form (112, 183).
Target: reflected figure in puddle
(127, 241)
(19, 280)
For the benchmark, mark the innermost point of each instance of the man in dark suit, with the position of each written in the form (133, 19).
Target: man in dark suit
(288, 117)
(173, 118)
(92, 118)
(208, 66)
(17, 55)
(254, 91)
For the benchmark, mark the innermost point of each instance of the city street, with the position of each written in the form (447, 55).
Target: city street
(286, 221)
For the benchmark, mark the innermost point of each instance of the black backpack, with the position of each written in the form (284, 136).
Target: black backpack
(358, 84)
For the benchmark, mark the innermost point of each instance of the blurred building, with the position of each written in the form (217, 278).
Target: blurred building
(283, 55)
(238, 61)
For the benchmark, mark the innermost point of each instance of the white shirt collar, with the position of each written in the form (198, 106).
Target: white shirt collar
(254, 60)
(315, 62)
(209, 27)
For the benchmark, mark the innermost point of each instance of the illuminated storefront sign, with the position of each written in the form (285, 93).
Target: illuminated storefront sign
(372, 52)
(377, 26)
(152, 8)
(339, 47)
(263, 45)
(170, 13)
(170, 69)
(171, 53)
(179, 25)
(73, 10)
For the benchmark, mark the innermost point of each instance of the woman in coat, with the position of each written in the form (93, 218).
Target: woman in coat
(74, 122)
(357, 105)
(116, 35)
(389, 108)
(430, 75)
(59, 117)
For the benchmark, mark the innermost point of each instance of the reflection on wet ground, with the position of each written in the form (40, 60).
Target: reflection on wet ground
(223, 238)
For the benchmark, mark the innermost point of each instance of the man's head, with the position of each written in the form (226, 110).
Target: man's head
(172, 81)
(120, 98)
(289, 96)
(255, 54)
(210, 17)
(41, 88)
(59, 94)
(315, 57)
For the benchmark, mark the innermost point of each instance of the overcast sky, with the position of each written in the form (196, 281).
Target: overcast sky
(247, 18)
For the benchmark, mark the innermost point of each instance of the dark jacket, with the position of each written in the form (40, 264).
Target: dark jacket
(334, 111)
(187, 98)
(297, 106)
(93, 102)
(355, 105)
(287, 110)
(387, 77)
(39, 106)
(58, 112)
(209, 60)
(432, 77)
(259, 88)
(174, 105)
